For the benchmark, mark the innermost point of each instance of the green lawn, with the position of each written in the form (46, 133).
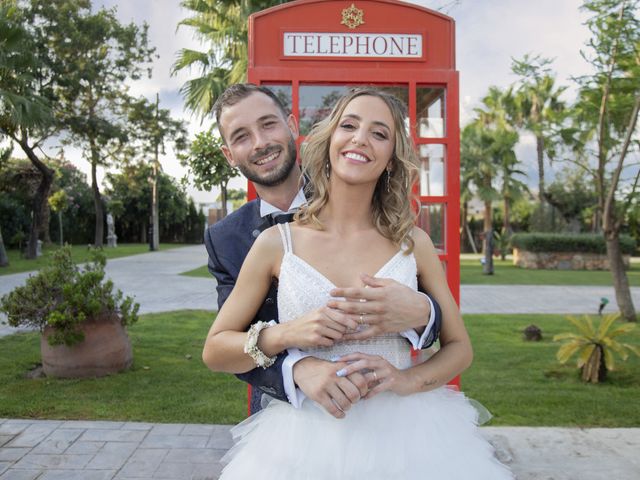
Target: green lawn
(163, 385)
(80, 254)
(198, 272)
(505, 273)
(520, 382)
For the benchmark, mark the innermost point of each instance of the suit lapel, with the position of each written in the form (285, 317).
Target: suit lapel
(259, 224)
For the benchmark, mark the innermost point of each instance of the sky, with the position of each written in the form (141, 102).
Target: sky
(489, 33)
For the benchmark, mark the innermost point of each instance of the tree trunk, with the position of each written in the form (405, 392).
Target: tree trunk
(620, 280)
(155, 235)
(39, 199)
(4, 259)
(464, 226)
(97, 201)
(46, 220)
(540, 153)
(506, 224)
(155, 215)
(487, 244)
(595, 370)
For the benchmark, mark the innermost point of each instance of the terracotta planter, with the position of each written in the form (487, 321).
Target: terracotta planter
(106, 349)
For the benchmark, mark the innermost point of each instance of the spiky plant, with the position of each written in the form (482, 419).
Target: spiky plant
(595, 345)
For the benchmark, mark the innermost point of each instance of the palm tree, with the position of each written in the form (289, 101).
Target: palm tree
(223, 24)
(500, 139)
(480, 170)
(537, 107)
(487, 155)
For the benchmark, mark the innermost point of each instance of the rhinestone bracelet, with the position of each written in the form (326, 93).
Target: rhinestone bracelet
(251, 345)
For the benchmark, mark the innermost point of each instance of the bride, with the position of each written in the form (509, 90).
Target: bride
(361, 167)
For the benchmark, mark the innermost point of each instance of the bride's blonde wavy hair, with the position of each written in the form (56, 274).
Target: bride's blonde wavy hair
(391, 211)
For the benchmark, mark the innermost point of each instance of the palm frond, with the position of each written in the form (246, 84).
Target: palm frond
(605, 324)
(201, 93)
(565, 336)
(609, 360)
(622, 329)
(187, 58)
(584, 325)
(583, 358)
(566, 351)
(633, 348)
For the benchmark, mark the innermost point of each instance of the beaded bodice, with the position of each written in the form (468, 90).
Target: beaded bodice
(302, 288)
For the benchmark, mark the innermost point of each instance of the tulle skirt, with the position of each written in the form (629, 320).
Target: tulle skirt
(431, 435)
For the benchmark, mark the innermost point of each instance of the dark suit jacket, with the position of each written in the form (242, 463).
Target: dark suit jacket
(228, 242)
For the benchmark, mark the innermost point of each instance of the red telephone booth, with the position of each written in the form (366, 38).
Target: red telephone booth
(310, 51)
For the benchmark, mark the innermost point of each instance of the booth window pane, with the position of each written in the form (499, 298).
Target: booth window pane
(432, 220)
(432, 170)
(283, 92)
(430, 107)
(316, 101)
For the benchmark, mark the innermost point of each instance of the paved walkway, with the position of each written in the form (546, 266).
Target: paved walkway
(79, 450)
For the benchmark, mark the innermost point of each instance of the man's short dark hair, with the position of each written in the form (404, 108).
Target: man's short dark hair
(240, 91)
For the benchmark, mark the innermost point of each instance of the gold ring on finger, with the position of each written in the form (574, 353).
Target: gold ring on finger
(361, 319)
(375, 376)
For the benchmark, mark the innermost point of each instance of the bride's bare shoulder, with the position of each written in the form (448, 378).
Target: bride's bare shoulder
(269, 242)
(423, 246)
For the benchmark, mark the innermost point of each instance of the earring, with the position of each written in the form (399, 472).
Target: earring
(388, 180)
(327, 172)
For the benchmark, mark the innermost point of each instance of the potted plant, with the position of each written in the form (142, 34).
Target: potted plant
(81, 319)
(595, 345)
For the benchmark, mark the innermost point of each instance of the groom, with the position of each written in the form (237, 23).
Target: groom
(259, 139)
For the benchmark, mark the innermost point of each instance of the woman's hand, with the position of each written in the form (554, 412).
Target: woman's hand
(321, 327)
(380, 374)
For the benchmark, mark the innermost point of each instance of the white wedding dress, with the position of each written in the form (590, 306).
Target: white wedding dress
(430, 435)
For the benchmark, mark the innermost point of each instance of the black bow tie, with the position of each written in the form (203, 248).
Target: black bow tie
(271, 220)
(281, 218)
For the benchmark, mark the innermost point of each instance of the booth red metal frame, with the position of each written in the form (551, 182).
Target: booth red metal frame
(307, 47)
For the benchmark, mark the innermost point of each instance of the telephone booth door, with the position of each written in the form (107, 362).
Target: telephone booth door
(311, 51)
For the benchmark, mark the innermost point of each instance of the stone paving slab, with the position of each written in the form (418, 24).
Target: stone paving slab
(532, 453)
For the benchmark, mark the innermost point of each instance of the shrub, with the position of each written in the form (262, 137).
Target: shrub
(62, 296)
(582, 243)
(595, 346)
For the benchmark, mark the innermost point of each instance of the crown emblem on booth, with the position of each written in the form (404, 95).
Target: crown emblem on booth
(352, 17)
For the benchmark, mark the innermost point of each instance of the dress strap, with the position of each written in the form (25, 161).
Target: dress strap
(285, 234)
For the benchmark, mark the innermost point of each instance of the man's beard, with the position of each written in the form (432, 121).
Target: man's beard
(276, 177)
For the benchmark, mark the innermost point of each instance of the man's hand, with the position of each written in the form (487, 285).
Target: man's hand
(318, 380)
(385, 305)
(380, 374)
(321, 327)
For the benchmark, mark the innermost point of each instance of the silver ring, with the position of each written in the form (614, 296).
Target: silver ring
(362, 300)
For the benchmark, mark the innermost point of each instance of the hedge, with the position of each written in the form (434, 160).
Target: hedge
(582, 243)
